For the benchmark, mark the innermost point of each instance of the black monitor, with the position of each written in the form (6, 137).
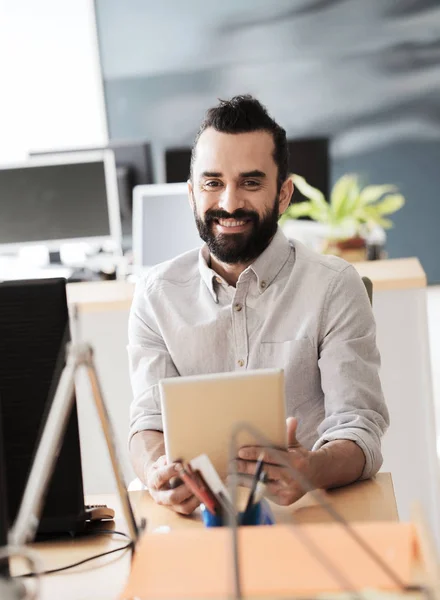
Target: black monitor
(4, 564)
(34, 329)
(309, 157)
(59, 199)
(133, 167)
(177, 164)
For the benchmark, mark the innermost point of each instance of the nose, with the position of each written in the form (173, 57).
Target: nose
(230, 199)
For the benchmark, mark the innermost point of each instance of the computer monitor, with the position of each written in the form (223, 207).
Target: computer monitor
(309, 157)
(133, 167)
(34, 330)
(163, 223)
(177, 164)
(57, 199)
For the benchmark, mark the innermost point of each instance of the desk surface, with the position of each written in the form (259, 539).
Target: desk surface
(104, 578)
(393, 274)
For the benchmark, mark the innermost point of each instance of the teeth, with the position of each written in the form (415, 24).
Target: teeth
(230, 223)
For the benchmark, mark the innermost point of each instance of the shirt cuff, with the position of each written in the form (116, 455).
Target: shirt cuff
(152, 422)
(371, 450)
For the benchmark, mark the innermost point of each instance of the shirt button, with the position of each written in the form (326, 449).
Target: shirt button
(218, 280)
(240, 362)
(263, 284)
(238, 307)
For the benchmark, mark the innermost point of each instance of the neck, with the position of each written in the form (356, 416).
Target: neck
(230, 273)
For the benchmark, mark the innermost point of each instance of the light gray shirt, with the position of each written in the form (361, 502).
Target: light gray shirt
(293, 309)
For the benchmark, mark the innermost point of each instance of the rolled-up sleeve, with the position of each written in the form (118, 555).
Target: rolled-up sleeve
(149, 362)
(349, 363)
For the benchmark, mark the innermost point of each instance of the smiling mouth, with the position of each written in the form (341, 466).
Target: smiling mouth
(232, 223)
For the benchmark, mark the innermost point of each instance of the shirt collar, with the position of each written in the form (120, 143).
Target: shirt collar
(208, 275)
(270, 262)
(266, 267)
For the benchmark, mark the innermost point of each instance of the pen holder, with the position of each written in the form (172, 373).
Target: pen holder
(259, 514)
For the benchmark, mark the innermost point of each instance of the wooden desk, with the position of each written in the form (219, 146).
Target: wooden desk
(104, 578)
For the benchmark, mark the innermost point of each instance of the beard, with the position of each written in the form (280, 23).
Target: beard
(243, 247)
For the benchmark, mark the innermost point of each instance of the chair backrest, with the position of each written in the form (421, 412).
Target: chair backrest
(369, 287)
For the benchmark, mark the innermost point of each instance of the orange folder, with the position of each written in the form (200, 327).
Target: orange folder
(195, 563)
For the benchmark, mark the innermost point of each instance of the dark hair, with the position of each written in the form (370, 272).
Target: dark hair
(242, 114)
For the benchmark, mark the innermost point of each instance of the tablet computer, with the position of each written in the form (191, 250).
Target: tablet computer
(200, 413)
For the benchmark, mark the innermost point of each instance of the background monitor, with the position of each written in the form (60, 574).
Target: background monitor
(177, 164)
(163, 223)
(133, 167)
(60, 198)
(310, 158)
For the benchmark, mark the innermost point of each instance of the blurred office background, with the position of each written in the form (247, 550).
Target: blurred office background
(364, 74)
(139, 74)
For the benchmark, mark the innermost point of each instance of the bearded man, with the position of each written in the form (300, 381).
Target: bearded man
(251, 299)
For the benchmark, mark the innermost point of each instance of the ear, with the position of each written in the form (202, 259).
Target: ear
(285, 195)
(190, 193)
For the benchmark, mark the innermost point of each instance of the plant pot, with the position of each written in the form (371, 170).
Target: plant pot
(352, 249)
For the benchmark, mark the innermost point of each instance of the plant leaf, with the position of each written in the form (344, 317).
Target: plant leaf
(390, 204)
(372, 193)
(314, 195)
(301, 209)
(385, 223)
(370, 214)
(344, 197)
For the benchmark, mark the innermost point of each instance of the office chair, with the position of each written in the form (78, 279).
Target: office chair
(369, 287)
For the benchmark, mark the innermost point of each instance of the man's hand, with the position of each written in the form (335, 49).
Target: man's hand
(282, 487)
(179, 499)
(336, 463)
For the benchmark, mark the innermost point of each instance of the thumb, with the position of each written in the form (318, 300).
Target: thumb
(292, 426)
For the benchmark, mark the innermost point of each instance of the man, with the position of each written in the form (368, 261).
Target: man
(249, 299)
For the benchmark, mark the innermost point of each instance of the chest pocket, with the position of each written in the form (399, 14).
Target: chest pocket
(299, 359)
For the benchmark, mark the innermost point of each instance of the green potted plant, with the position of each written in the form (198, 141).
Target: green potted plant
(351, 215)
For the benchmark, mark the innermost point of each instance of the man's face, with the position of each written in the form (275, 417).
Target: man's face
(234, 193)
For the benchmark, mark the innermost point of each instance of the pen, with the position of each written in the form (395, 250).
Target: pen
(255, 481)
(260, 489)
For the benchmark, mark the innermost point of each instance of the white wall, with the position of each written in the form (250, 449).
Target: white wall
(51, 91)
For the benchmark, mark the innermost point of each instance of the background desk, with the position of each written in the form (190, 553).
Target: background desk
(104, 579)
(399, 305)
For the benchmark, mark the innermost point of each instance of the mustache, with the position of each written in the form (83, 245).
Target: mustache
(239, 215)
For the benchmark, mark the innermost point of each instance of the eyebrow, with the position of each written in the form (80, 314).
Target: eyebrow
(211, 174)
(254, 173)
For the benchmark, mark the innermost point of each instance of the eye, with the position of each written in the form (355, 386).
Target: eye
(212, 183)
(251, 183)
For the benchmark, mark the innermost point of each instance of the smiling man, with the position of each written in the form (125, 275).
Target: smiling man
(250, 299)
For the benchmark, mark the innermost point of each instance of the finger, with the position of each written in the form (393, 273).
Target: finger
(292, 426)
(253, 453)
(272, 472)
(160, 477)
(175, 496)
(188, 506)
